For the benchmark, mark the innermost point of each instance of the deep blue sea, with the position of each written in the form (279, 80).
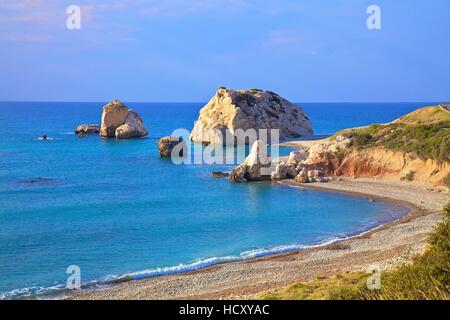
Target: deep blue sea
(115, 208)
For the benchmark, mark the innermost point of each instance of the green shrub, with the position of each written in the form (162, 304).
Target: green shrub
(427, 277)
(447, 180)
(430, 141)
(409, 176)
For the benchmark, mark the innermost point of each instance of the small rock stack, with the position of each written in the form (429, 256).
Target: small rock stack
(117, 122)
(167, 144)
(120, 122)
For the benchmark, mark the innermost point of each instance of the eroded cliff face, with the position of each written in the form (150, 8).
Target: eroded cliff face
(231, 110)
(382, 163)
(414, 147)
(337, 158)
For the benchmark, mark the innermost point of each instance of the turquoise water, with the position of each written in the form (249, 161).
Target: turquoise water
(115, 208)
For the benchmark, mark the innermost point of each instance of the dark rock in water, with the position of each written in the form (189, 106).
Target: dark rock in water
(167, 144)
(220, 175)
(41, 182)
(84, 129)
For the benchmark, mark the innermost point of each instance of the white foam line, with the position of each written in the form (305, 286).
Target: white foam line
(181, 268)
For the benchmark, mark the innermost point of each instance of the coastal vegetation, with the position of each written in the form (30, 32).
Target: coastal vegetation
(426, 277)
(447, 180)
(424, 133)
(339, 287)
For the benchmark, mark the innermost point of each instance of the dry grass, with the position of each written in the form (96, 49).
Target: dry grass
(427, 115)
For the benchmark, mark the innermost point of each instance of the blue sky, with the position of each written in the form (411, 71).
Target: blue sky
(183, 50)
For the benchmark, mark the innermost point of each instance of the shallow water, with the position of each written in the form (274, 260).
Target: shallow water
(115, 208)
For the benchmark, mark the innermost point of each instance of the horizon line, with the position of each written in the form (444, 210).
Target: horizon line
(205, 102)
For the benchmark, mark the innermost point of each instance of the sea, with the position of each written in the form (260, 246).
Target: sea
(116, 211)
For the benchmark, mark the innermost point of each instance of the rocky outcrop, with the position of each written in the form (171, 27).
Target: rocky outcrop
(297, 156)
(230, 110)
(132, 128)
(314, 164)
(84, 129)
(167, 144)
(321, 152)
(335, 157)
(256, 167)
(284, 170)
(401, 150)
(120, 122)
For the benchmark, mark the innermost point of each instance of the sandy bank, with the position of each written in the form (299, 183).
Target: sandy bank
(387, 246)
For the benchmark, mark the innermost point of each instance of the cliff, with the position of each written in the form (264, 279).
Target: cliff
(415, 147)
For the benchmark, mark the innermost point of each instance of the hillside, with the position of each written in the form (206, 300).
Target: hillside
(424, 133)
(415, 147)
(426, 115)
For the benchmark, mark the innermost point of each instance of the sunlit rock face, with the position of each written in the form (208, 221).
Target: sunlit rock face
(120, 122)
(230, 110)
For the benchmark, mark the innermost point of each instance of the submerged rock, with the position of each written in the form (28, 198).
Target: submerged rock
(231, 110)
(219, 175)
(167, 144)
(120, 122)
(256, 167)
(41, 182)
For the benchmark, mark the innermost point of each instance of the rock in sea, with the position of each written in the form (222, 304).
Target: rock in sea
(84, 129)
(120, 122)
(230, 110)
(167, 144)
(256, 167)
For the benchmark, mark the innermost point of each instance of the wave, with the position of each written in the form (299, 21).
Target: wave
(60, 292)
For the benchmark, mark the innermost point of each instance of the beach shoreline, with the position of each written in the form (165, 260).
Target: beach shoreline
(386, 246)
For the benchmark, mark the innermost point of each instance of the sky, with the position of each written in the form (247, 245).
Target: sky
(183, 50)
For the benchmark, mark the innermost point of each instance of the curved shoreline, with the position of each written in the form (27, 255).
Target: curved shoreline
(244, 278)
(59, 291)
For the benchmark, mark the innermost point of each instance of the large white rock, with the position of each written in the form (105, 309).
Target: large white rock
(318, 152)
(256, 167)
(132, 128)
(231, 110)
(297, 156)
(120, 122)
(284, 170)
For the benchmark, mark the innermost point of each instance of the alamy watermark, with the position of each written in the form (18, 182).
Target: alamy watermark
(74, 279)
(225, 146)
(374, 280)
(73, 21)
(374, 19)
